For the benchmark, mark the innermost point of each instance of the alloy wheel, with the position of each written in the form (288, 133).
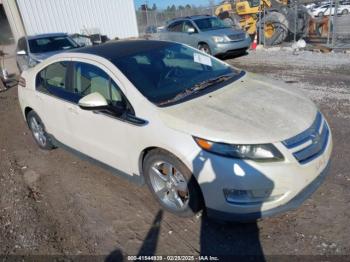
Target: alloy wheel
(169, 185)
(38, 131)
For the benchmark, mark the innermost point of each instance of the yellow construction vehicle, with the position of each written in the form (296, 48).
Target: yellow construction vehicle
(276, 20)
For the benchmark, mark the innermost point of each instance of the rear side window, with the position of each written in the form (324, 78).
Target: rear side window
(55, 75)
(175, 27)
(53, 80)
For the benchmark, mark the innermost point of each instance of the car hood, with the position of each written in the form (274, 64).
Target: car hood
(251, 110)
(223, 32)
(42, 56)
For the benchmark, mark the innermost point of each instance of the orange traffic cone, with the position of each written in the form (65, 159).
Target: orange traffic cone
(255, 42)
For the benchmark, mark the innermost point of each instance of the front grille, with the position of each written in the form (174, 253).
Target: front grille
(237, 37)
(315, 139)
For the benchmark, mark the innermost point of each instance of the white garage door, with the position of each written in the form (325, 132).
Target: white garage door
(114, 18)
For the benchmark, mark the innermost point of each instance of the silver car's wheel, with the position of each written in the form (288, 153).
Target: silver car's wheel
(204, 48)
(169, 185)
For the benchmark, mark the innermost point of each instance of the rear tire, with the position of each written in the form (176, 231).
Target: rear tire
(172, 183)
(204, 48)
(345, 12)
(320, 14)
(38, 131)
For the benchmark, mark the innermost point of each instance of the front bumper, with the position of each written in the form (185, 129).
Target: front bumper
(277, 187)
(231, 47)
(292, 204)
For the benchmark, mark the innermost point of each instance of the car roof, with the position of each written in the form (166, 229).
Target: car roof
(31, 37)
(193, 17)
(121, 48)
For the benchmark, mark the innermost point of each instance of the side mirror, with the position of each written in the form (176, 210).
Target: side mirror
(21, 52)
(191, 30)
(93, 101)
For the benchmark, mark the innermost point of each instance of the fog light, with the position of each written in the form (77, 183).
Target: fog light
(249, 197)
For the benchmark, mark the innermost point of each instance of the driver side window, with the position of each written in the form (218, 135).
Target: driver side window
(90, 79)
(187, 26)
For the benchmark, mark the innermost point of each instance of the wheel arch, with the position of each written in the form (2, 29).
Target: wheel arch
(27, 110)
(149, 149)
(202, 43)
(142, 157)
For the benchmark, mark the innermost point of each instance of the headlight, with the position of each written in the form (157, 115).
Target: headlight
(219, 39)
(262, 152)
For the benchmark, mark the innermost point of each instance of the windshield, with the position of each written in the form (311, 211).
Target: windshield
(210, 23)
(50, 44)
(163, 73)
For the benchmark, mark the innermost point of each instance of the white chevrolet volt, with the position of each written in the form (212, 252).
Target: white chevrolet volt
(201, 134)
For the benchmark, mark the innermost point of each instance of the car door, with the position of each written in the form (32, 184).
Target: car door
(100, 135)
(189, 34)
(174, 31)
(53, 97)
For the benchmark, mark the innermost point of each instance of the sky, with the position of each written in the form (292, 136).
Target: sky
(161, 4)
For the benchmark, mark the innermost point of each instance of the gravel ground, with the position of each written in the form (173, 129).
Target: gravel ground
(54, 203)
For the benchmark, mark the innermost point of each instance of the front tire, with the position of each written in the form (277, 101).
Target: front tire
(274, 28)
(38, 131)
(172, 183)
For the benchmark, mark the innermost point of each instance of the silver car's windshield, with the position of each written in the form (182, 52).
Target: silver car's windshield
(210, 23)
(173, 72)
(51, 44)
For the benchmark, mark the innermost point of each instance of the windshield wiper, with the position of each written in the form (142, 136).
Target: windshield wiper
(197, 88)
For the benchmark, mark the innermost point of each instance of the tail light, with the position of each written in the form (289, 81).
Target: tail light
(22, 82)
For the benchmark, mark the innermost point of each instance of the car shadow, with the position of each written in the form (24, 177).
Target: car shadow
(223, 237)
(225, 240)
(233, 55)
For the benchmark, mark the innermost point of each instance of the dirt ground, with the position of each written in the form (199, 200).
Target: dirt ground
(55, 203)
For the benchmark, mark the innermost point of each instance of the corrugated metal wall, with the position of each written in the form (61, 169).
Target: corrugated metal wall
(114, 18)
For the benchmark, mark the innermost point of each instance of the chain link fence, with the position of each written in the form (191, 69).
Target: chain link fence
(328, 23)
(302, 21)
